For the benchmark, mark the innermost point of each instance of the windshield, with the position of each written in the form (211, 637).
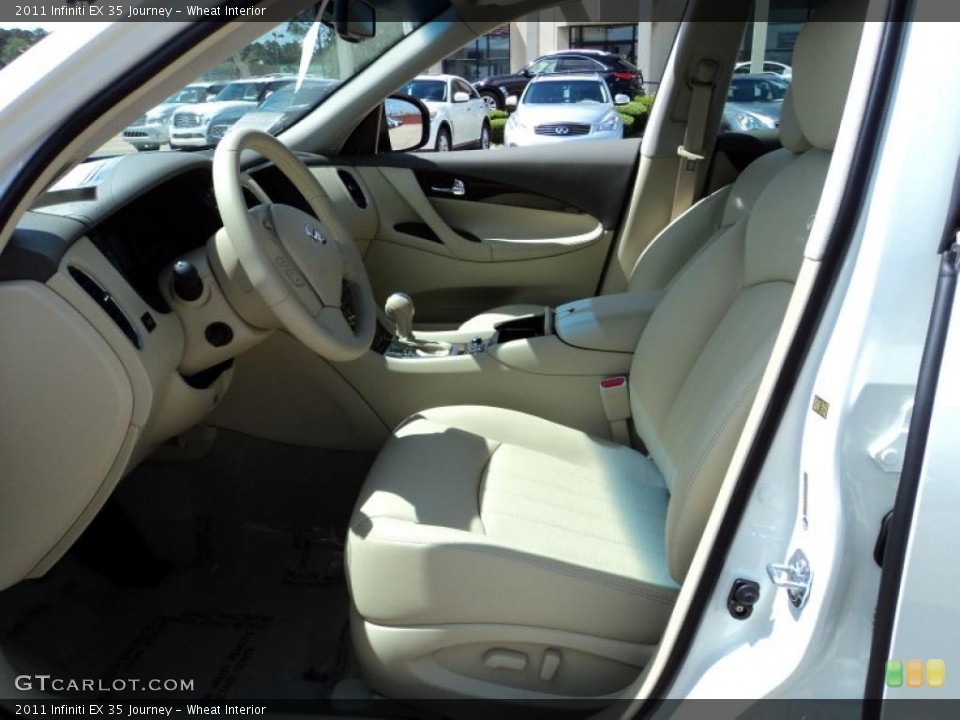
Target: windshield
(565, 91)
(263, 76)
(427, 90)
(241, 91)
(188, 95)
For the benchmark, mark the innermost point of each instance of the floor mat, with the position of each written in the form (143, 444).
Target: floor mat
(254, 604)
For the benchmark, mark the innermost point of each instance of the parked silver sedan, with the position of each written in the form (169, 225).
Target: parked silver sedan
(754, 102)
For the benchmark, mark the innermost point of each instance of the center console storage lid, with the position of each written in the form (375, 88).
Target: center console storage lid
(610, 322)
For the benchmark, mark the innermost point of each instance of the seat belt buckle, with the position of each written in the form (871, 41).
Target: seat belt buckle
(615, 396)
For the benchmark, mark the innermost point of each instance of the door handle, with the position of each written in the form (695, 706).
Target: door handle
(458, 189)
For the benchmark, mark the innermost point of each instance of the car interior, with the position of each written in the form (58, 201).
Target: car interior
(301, 418)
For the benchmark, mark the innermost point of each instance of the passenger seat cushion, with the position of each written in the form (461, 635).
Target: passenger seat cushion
(556, 529)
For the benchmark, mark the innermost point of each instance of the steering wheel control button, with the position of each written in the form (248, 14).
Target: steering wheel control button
(219, 334)
(187, 284)
(148, 322)
(294, 277)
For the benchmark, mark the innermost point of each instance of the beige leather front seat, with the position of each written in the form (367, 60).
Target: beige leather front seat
(496, 554)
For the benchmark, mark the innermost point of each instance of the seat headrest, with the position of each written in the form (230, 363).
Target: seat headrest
(823, 60)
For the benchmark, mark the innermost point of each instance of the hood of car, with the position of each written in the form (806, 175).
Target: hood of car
(162, 111)
(212, 108)
(563, 113)
(164, 108)
(770, 110)
(264, 120)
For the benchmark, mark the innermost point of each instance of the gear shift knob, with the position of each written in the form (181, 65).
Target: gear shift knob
(399, 308)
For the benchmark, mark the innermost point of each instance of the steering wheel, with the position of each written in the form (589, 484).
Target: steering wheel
(306, 267)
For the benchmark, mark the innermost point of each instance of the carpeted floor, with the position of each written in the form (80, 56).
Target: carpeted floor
(232, 578)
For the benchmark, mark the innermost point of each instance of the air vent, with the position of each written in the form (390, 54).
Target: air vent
(350, 183)
(105, 300)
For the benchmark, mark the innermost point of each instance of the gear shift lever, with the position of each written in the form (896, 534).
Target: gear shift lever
(399, 308)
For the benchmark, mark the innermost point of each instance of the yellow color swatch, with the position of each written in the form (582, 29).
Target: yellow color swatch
(914, 673)
(935, 673)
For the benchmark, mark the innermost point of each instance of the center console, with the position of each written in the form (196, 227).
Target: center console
(606, 324)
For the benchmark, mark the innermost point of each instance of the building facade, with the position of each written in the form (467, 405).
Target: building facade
(646, 44)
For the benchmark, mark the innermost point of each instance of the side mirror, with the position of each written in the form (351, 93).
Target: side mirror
(408, 123)
(510, 103)
(621, 99)
(526, 72)
(461, 97)
(356, 20)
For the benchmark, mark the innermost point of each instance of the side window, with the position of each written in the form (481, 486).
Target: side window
(577, 64)
(461, 86)
(546, 65)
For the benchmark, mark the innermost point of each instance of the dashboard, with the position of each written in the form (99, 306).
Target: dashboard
(101, 363)
(170, 220)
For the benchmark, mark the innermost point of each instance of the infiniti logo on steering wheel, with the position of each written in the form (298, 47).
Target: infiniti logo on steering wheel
(314, 234)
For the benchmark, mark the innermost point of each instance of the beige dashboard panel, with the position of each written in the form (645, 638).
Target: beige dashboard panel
(283, 392)
(67, 411)
(164, 404)
(362, 222)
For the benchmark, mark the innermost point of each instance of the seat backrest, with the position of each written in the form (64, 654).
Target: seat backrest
(699, 361)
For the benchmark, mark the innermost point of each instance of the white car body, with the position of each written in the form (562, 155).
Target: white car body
(153, 129)
(770, 67)
(456, 111)
(863, 358)
(567, 119)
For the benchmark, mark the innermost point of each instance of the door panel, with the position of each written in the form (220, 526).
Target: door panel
(463, 232)
(593, 177)
(457, 258)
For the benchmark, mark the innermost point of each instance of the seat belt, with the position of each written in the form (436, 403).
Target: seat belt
(615, 396)
(702, 83)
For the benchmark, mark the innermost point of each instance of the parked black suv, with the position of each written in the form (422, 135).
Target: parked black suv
(621, 76)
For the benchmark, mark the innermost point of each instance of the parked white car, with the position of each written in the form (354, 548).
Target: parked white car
(152, 130)
(769, 68)
(458, 115)
(200, 127)
(564, 108)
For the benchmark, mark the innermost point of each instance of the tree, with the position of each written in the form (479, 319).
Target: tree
(15, 41)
